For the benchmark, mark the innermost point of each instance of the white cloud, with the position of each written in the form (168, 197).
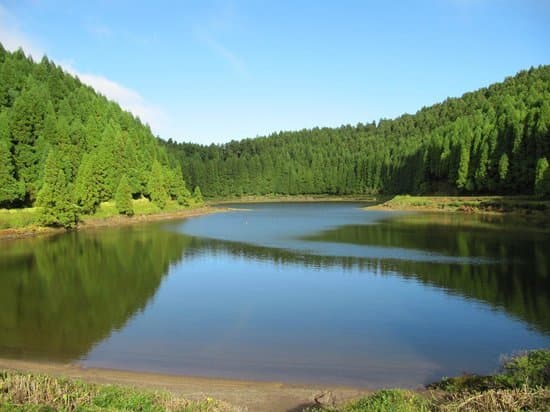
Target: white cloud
(128, 99)
(12, 37)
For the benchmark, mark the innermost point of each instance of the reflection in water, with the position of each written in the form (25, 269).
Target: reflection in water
(63, 294)
(516, 287)
(517, 280)
(316, 292)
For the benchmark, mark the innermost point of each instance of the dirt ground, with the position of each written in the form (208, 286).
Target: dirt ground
(245, 395)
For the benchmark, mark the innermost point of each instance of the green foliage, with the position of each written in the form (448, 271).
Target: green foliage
(197, 195)
(11, 192)
(485, 142)
(27, 392)
(529, 369)
(45, 110)
(542, 178)
(87, 194)
(55, 197)
(157, 185)
(503, 165)
(19, 218)
(390, 400)
(123, 198)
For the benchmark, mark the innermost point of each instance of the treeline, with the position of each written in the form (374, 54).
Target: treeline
(492, 141)
(65, 148)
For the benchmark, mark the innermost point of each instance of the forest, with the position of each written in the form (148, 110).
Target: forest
(65, 148)
(495, 140)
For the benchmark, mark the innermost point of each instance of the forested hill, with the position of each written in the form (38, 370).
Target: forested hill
(67, 148)
(492, 141)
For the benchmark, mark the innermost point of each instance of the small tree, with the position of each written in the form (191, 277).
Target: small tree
(87, 186)
(197, 196)
(156, 186)
(503, 167)
(123, 197)
(542, 178)
(11, 191)
(55, 196)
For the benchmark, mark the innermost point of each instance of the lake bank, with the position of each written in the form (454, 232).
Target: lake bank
(522, 383)
(95, 222)
(241, 394)
(502, 205)
(294, 198)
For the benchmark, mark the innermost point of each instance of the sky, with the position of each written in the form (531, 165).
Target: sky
(213, 71)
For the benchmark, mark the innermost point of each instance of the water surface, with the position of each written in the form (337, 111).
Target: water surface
(313, 292)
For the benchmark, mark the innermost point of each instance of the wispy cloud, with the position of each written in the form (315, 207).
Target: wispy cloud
(100, 30)
(234, 61)
(12, 37)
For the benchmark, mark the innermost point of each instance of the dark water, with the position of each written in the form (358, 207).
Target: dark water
(323, 293)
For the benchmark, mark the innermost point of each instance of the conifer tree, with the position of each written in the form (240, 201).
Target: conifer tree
(156, 186)
(55, 197)
(11, 192)
(503, 167)
(123, 197)
(197, 195)
(542, 178)
(87, 186)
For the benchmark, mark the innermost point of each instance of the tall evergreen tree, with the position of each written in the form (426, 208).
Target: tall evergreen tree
(11, 192)
(55, 197)
(542, 178)
(157, 186)
(123, 197)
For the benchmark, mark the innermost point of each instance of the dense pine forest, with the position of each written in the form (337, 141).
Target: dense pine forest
(495, 140)
(66, 149)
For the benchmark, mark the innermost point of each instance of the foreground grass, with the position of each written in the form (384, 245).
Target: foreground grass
(523, 384)
(471, 204)
(27, 392)
(29, 218)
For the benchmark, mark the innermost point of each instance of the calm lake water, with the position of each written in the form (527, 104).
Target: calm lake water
(313, 292)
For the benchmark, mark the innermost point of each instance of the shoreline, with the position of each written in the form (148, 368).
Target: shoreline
(91, 222)
(296, 198)
(248, 394)
(519, 206)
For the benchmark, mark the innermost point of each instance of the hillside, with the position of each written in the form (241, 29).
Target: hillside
(495, 140)
(65, 148)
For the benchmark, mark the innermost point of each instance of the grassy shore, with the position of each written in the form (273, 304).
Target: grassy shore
(468, 204)
(523, 384)
(17, 223)
(37, 392)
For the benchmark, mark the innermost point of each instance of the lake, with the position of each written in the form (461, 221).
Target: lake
(300, 292)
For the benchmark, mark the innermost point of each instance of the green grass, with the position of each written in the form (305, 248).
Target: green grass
(523, 384)
(19, 218)
(28, 392)
(141, 206)
(531, 369)
(498, 204)
(30, 217)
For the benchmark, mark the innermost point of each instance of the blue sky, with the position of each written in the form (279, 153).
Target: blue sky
(212, 71)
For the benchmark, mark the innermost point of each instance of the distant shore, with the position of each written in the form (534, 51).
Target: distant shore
(497, 205)
(501, 205)
(294, 198)
(93, 222)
